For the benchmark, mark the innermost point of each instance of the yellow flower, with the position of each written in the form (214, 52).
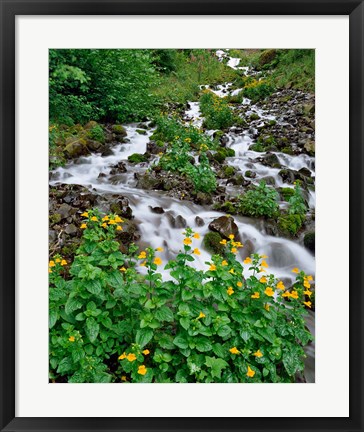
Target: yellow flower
(119, 228)
(85, 214)
(63, 262)
(230, 291)
(131, 357)
(280, 285)
(247, 260)
(58, 260)
(232, 271)
(286, 294)
(264, 256)
(196, 236)
(258, 354)
(223, 242)
(231, 236)
(159, 249)
(308, 304)
(261, 270)
(50, 271)
(267, 307)
(146, 352)
(250, 373)
(123, 269)
(187, 241)
(83, 226)
(122, 356)
(224, 263)
(196, 251)
(294, 294)
(143, 264)
(123, 378)
(142, 255)
(234, 250)
(202, 315)
(94, 218)
(112, 222)
(105, 218)
(71, 338)
(295, 270)
(212, 267)
(142, 370)
(234, 350)
(263, 279)
(309, 278)
(51, 263)
(264, 264)
(118, 219)
(104, 225)
(239, 284)
(256, 295)
(157, 261)
(306, 284)
(269, 292)
(308, 293)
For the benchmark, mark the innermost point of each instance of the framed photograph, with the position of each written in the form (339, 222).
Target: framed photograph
(181, 192)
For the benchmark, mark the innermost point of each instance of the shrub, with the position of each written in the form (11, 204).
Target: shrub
(97, 133)
(291, 223)
(216, 111)
(109, 323)
(257, 89)
(297, 204)
(260, 201)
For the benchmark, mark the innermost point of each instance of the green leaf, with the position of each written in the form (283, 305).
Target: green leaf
(244, 334)
(219, 350)
(92, 329)
(53, 317)
(224, 331)
(181, 342)
(72, 304)
(181, 376)
(80, 316)
(166, 342)
(216, 365)
(65, 365)
(203, 344)
(77, 354)
(143, 336)
(93, 286)
(115, 279)
(186, 295)
(185, 323)
(164, 314)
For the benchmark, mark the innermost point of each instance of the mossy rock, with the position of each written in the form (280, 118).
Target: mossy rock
(267, 57)
(286, 193)
(229, 171)
(250, 174)
(290, 224)
(141, 131)
(54, 219)
(287, 150)
(211, 242)
(309, 241)
(119, 130)
(76, 147)
(137, 158)
(226, 207)
(222, 153)
(254, 116)
(91, 124)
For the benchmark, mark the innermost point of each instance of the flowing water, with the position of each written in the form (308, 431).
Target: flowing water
(166, 229)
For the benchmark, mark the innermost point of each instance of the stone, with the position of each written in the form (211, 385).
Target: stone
(225, 226)
(71, 230)
(199, 221)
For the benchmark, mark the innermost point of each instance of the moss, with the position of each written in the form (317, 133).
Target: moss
(226, 207)
(287, 150)
(137, 158)
(290, 224)
(212, 244)
(119, 129)
(229, 171)
(267, 57)
(254, 116)
(54, 218)
(70, 249)
(141, 131)
(286, 193)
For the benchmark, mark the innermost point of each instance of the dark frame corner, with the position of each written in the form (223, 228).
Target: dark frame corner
(8, 11)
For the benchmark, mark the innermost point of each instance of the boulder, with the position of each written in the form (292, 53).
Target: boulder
(225, 226)
(76, 147)
(199, 221)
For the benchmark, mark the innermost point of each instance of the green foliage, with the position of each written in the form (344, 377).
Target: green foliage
(212, 243)
(291, 223)
(201, 174)
(107, 84)
(217, 113)
(297, 204)
(97, 133)
(137, 158)
(112, 324)
(56, 155)
(260, 201)
(257, 89)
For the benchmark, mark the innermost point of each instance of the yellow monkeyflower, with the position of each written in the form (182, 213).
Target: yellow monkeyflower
(63, 262)
(234, 250)
(295, 270)
(142, 255)
(286, 294)
(84, 214)
(267, 307)
(250, 373)
(212, 267)
(232, 271)
(264, 256)
(142, 264)
(269, 292)
(230, 291)
(294, 294)
(202, 315)
(308, 293)
(142, 370)
(263, 279)
(247, 260)
(131, 357)
(159, 249)
(258, 354)
(306, 284)
(146, 352)
(231, 236)
(118, 219)
(234, 350)
(157, 261)
(123, 378)
(58, 260)
(308, 304)
(187, 241)
(262, 270)
(71, 338)
(239, 284)
(94, 219)
(309, 278)
(256, 295)
(264, 264)
(196, 236)
(223, 242)
(280, 285)
(112, 222)
(83, 226)
(122, 356)
(123, 269)
(196, 251)
(104, 225)
(224, 263)
(50, 271)
(51, 263)
(105, 218)
(119, 228)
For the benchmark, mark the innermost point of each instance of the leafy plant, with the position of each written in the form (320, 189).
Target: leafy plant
(259, 201)
(97, 133)
(296, 202)
(257, 89)
(216, 111)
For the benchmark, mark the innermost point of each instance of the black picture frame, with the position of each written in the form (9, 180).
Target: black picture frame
(9, 9)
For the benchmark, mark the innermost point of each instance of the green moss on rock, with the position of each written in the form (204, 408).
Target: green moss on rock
(212, 244)
(137, 158)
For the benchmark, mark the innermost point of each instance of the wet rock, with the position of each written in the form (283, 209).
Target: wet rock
(155, 148)
(71, 230)
(158, 210)
(203, 198)
(287, 175)
(225, 226)
(119, 130)
(309, 241)
(199, 221)
(75, 147)
(238, 180)
(305, 172)
(250, 174)
(117, 179)
(269, 180)
(118, 168)
(107, 152)
(171, 219)
(52, 236)
(93, 145)
(271, 160)
(149, 181)
(180, 222)
(66, 210)
(129, 232)
(102, 175)
(121, 208)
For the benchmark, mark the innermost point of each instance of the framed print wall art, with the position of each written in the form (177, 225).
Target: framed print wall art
(181, 215)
